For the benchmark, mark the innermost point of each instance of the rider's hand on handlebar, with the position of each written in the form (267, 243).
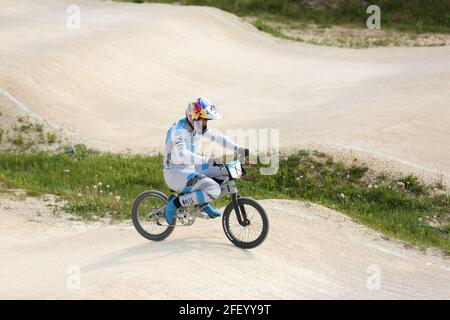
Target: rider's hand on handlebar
(242, 153)
(215, 162)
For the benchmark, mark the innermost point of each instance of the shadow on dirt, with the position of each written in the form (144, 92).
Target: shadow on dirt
(154, 251)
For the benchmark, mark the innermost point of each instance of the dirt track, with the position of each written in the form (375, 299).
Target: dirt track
(311, 252)
(118, 82)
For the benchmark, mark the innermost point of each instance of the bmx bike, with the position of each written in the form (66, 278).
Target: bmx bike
(244, 220)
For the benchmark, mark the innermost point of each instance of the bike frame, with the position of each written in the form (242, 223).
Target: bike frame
(229, 187)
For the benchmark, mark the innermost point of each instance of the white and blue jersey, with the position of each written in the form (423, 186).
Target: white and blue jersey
(181, 141)
(187, 172)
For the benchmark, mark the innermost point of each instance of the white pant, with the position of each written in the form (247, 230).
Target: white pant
(195, 183)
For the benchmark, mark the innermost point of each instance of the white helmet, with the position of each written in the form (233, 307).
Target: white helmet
(201, 108)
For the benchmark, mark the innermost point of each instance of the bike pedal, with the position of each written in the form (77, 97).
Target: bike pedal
(202, 215)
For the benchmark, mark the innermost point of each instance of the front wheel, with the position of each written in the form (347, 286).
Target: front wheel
(254, 232)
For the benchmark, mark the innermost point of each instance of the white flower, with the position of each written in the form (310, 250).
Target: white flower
(297, 178)
(370, 186)
(101, 191)
(80, 195)
(66, 170)
(420, 219)
(95, 186)
(100, 184)
(117, 198)
(107, 186)
(110, 193)
(342, 196)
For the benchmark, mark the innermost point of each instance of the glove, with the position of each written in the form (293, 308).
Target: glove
(242, 153)
(215, 162)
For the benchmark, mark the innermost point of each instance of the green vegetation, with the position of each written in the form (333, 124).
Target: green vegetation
(404, 15)
(413, 184)
(104, 184)
(51, 137)
(41, 137)
(18, 140)
(39, 127)
(24, 124)
(262, 26)
(92, 183)
(26, 135)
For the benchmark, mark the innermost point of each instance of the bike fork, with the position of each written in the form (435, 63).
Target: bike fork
(240, 210)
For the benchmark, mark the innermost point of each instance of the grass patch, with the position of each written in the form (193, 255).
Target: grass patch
(18, 140)
(402, 15)
(39, 127)
(105, 184)
(26, 134)
(51, 137)
(413, 184)
(92, 183)
(262, 26)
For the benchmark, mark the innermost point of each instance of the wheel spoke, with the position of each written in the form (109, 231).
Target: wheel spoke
(250, 232)
(147, 211)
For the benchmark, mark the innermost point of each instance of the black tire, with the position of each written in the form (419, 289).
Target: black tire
(229, 213)
(135, 216)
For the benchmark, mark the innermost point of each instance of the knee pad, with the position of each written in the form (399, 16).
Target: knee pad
(191, 182)
(212, 190)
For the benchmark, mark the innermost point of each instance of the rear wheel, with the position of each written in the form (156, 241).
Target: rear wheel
(256, 228)
(148, 215)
